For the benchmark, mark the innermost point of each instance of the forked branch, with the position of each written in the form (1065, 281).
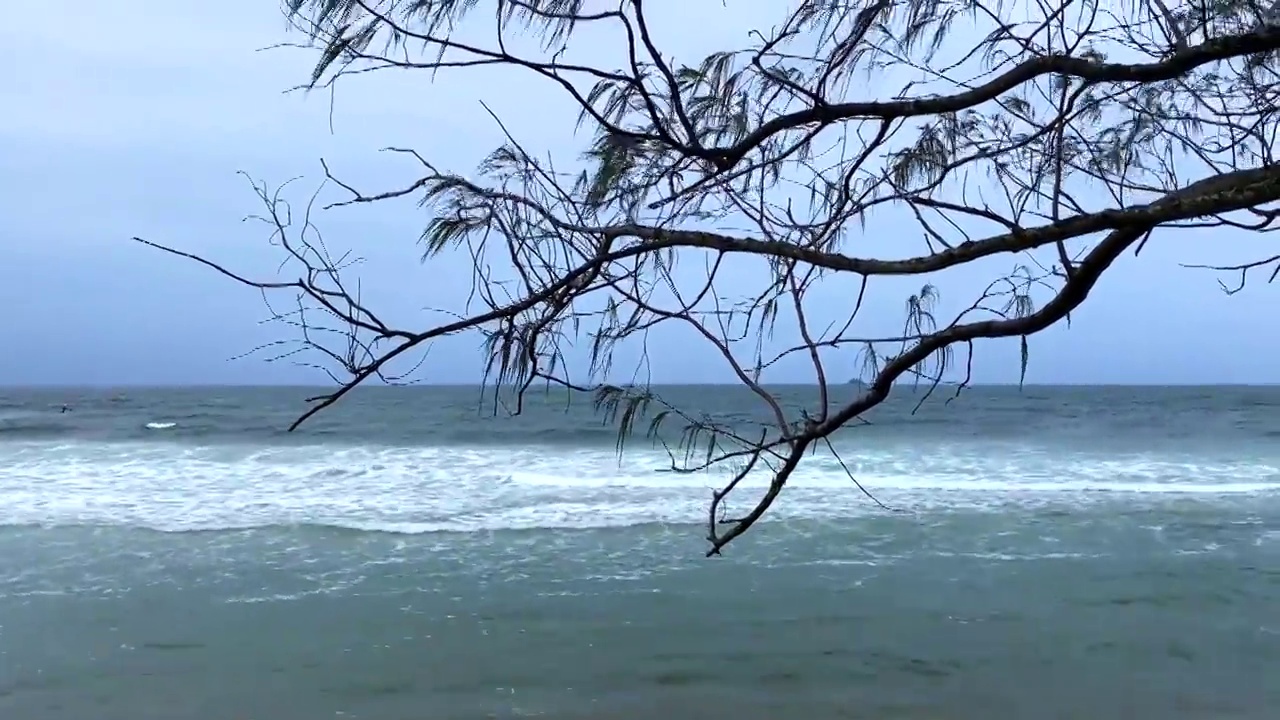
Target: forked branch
(1056, 143)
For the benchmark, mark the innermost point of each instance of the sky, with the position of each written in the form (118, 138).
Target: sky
(134, 118)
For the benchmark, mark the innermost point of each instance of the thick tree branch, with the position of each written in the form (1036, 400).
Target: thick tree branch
(1016, 137)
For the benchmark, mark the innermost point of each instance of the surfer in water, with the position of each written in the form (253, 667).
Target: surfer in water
(66, 408)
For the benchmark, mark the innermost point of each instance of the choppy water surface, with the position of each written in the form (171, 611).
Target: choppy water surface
(1055, 553)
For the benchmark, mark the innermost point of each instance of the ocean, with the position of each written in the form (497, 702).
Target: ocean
(173, 554)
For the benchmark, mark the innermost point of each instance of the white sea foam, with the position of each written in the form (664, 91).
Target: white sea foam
(172, 487)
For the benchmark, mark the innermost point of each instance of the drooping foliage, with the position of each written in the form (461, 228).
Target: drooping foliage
(1056, 134)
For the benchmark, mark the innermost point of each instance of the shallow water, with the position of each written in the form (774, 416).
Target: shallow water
(435, 564)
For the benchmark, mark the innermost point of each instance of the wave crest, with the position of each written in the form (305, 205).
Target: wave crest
(420, 490)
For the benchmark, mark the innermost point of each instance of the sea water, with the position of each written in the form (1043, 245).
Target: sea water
(1045, 553)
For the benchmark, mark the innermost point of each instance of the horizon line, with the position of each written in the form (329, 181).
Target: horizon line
(477, 385)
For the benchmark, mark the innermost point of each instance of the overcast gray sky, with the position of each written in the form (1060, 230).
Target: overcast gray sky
(133, 117)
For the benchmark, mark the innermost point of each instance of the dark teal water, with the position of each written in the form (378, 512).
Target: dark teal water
(1055, 553)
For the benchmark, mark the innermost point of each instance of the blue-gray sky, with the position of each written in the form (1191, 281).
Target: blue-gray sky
(133, 117)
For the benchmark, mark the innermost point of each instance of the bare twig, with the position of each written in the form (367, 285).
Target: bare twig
(1063, 140)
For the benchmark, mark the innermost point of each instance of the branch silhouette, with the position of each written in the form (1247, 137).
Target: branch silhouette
(1058, 143)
